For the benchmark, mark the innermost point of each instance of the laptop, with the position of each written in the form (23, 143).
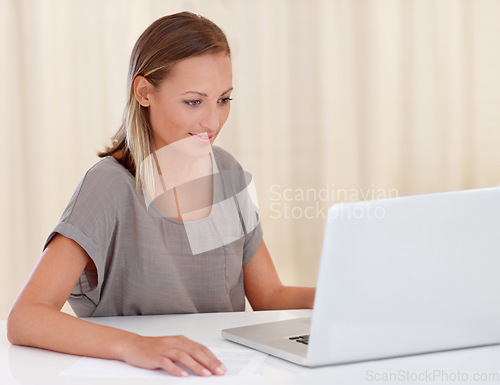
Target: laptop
(397, 277)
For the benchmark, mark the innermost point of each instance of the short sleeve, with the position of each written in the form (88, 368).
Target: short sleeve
(90, 220)
(252, 243)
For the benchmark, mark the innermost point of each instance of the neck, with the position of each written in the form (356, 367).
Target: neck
(178, 168)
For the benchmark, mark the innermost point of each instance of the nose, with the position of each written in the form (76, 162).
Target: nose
(211, 119)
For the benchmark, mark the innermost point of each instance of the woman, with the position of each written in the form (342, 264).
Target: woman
(151, 229)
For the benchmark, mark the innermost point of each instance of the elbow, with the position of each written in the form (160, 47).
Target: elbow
(262, 302)
(14, 321)
(11, 329)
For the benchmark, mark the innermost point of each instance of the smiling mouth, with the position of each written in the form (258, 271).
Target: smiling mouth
(201, 137)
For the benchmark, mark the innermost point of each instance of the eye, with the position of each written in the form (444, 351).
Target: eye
(225, 100)
(193, 102)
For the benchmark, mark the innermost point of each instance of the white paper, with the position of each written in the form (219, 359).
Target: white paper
(239, 363)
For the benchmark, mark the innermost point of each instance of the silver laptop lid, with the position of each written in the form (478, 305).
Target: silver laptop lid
(408, 275)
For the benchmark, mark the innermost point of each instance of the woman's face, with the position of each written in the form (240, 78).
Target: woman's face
(193, 102)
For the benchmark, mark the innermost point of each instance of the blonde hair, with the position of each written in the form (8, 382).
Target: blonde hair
(164, 43)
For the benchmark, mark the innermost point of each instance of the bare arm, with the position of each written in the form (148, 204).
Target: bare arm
(264, 289)
(35, 319)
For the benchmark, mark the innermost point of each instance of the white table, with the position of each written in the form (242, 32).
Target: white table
(23, 365)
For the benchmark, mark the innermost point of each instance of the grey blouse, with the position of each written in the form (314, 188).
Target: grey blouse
(149, 264)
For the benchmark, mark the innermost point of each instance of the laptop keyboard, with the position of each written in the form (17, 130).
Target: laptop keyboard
(301, 339)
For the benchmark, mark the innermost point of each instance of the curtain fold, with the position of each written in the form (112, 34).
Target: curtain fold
(334, 100)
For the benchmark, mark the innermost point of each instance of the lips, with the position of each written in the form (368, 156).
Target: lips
(204, 138)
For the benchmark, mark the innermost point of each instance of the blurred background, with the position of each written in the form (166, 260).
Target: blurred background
(335, 100)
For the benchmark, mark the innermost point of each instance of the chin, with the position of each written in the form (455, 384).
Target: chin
(188, 147)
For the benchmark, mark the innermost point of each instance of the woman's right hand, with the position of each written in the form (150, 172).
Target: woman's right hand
(168, 352)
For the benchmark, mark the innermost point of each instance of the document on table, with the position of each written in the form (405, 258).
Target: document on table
(240, 363)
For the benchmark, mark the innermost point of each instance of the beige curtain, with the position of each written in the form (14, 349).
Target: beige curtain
(334, 100)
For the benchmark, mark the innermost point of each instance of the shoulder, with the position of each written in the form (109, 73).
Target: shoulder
(224, 159)
(231, 170)
(108, 173)
(109, 167)
(102, 193)
(105, 183)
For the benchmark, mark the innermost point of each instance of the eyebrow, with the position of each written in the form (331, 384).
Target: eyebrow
(204, 94)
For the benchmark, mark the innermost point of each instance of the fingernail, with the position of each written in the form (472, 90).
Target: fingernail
(184, 374)
(206, 372)
(221, 369)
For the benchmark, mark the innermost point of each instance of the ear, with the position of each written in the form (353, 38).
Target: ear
(142, 90)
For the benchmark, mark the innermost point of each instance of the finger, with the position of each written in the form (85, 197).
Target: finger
(202, 354)
(205, 357)
(172, 368)
(184, 358)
